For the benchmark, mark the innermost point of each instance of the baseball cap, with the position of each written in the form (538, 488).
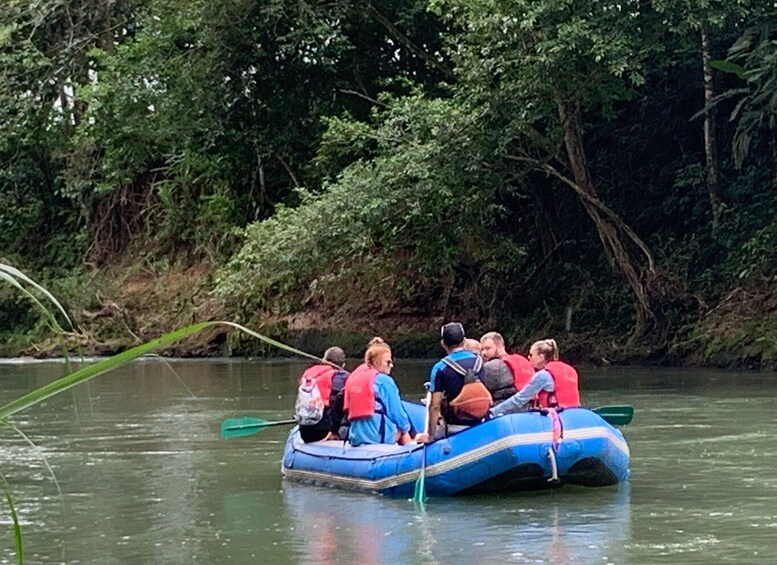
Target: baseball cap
(452, 334)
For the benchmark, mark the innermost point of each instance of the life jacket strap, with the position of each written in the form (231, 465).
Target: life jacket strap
(469, 374)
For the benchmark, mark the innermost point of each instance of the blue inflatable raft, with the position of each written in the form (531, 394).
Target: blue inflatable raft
(509, 453)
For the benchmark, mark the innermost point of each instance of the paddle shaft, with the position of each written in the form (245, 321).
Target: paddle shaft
(614, 415)
(419, 494)
(426, 416)
(260, 425)
(245, 429)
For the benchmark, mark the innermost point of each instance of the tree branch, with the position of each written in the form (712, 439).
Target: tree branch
(364, 96)
(289, 170)
(407, 42)
(591, 201)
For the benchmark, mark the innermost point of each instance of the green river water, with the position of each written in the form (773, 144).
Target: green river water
(145, 477)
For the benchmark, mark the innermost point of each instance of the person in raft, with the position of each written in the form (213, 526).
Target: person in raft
(472, 345)
(505, 374)
(372, 401)
(554, 385)
(329, 377)
(455, 385)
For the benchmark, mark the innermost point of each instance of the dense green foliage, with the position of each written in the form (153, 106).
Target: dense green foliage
(400, 227)
(526, 165)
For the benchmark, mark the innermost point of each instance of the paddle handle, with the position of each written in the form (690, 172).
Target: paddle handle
(428, 407)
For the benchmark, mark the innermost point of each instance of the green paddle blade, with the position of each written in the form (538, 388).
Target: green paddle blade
(616, 415)
(419, 495)
(239, 427)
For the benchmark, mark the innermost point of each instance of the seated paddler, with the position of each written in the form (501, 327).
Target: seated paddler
(325, 380)
(506, 373)
(372, 403)
(554, 384)
(457, 394)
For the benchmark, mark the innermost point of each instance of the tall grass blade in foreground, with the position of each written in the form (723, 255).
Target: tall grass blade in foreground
(21, 282)
(106, 365)
(17, 530)
(17, 279)
(13, 276)
(28, 287)
(43, 458)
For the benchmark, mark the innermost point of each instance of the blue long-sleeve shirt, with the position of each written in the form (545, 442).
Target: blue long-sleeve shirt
(542, 380)
(367, 430)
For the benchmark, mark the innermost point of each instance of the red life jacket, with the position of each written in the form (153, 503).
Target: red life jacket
(322, 375)
(566, 395)
(521, 369)
(359, 397)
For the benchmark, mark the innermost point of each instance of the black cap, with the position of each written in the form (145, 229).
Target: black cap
(452, 334)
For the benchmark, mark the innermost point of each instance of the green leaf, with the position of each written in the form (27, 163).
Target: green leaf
(729, 67)
(17, 530)
(12, 276)
(106, 365)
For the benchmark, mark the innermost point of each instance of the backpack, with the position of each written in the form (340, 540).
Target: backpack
(474, 400)
(309, 407)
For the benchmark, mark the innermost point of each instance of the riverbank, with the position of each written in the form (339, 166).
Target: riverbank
(125, 305)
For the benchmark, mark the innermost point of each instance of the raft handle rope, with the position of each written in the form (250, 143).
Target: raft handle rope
(553, 467)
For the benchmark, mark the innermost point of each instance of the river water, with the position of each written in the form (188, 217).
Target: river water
(145, 478)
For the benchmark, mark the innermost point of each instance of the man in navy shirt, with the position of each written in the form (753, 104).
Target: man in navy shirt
(445, 382)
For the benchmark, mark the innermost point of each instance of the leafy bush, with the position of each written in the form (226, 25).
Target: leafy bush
(417, 207)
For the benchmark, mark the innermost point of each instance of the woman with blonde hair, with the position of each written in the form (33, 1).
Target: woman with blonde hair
(554, 385)
(372, 401)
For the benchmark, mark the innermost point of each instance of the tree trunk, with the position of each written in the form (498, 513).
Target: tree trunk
(773, 143)
(105, 38)
(613, 232)
(710, 129)
(67, 112)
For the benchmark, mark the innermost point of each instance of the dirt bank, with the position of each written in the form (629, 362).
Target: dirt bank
(126, 305)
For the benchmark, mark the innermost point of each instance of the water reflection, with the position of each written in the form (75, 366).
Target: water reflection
(576, 526)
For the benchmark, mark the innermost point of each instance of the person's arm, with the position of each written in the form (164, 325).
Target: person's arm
(336, 411)
(540, 381)
(405, 438)
(389, 395)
